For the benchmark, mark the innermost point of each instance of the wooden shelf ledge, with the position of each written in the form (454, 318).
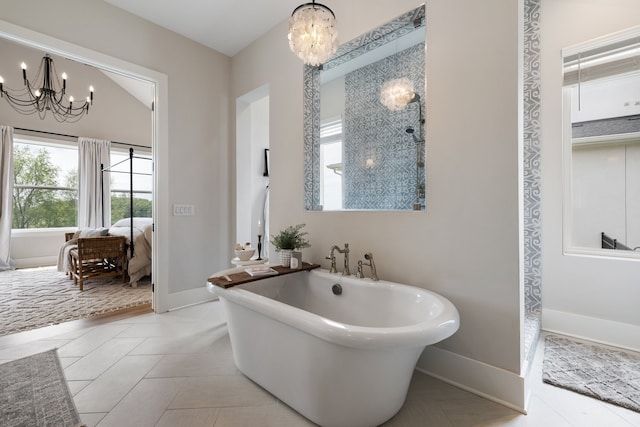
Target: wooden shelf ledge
(244, 277)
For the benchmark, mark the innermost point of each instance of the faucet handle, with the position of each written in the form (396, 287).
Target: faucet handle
(333, 268)
(359, 273)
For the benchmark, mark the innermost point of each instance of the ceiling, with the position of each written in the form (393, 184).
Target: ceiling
(227, 26)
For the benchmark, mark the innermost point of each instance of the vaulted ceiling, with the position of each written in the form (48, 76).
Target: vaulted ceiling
(227, 26)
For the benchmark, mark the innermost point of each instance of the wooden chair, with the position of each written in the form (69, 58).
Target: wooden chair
(98, 257)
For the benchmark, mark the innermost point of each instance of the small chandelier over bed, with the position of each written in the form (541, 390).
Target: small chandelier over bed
(49, 96)
(313, 35)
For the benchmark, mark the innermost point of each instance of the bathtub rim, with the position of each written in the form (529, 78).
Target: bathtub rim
(421, 334)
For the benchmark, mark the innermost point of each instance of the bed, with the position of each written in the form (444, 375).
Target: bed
(136, 230)
(138, 255)
(139, 259)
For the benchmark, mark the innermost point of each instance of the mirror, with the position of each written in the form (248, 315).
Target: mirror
(361, 154)
(602, 145)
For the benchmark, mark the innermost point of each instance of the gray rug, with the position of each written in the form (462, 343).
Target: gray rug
(33, 392)
(602, 372)
(36, 297)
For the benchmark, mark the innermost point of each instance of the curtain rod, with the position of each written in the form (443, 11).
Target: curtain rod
(76, 137)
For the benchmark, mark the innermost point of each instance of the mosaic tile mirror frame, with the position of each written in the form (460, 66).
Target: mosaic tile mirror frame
(380, 163)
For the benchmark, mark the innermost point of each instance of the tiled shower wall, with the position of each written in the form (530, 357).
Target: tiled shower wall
(531, 171)
(383, 164)
(531, 167)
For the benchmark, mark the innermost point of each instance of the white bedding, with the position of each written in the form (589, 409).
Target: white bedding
(140, 264)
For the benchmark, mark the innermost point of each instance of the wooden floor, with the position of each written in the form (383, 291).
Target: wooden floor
(138, 368)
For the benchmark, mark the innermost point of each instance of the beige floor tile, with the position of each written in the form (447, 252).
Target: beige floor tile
(24, 350)
(630, 416)
(145, 404)
(474, 411)
(220, 391)
(261, 416)
(580, 410)
(204, 417)
(92, 420)
(200, 342)
(194, 365)
(74, 334)
(93, 339)
(108, 389)
(539, 415)
(95, 363)
(161, 329)
(76, 386)
(427, 388)
(67, 361)
(419, 413)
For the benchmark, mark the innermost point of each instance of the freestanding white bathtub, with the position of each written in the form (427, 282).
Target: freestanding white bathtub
(340, 360)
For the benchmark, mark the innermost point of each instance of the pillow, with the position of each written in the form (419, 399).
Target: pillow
(93, 232)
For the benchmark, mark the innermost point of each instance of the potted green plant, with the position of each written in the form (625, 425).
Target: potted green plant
(288, 240)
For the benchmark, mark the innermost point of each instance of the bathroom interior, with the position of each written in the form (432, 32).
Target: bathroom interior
(479, 212)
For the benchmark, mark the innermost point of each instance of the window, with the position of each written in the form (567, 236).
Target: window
(331, 164)
(142, 184)
(45, 190)
(45, 193)
(602, 146)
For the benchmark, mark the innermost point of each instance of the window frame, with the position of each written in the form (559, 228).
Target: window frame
(596, 48)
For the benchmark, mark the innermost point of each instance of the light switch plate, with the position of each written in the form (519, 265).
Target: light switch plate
(183, 210)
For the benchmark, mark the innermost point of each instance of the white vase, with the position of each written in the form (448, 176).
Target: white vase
(285, 257)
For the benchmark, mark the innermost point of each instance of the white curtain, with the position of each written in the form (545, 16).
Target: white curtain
(6, 196)
(91, 154)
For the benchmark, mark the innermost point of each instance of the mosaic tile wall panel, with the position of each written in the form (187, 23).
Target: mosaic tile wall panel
(373, 132)
(531, 151)
(384, 34)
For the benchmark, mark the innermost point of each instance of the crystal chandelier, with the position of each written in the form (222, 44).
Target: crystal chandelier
(50, 96)
(395, 94)
(313, 35)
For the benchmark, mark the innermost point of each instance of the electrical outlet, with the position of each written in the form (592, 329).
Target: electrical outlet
(183, 210)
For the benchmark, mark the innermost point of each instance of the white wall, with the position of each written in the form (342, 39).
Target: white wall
(252, 137)
(466, 245)
(580, 293)
(193, 167)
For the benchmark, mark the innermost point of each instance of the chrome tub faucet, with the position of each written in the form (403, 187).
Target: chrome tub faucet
(332, 257)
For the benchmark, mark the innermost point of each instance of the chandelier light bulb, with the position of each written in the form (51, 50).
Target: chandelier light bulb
(313, 35)
(64, 76)
(395, 94)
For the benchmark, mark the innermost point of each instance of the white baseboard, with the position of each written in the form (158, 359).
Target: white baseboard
(617, 334)
(496, 384)
(44, 261)
(183, 299)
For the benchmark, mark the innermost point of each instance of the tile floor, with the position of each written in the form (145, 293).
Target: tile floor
(176, 369)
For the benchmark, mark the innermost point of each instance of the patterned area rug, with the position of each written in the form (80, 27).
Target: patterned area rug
(36, 297)
(602, 372)
(33, 392)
